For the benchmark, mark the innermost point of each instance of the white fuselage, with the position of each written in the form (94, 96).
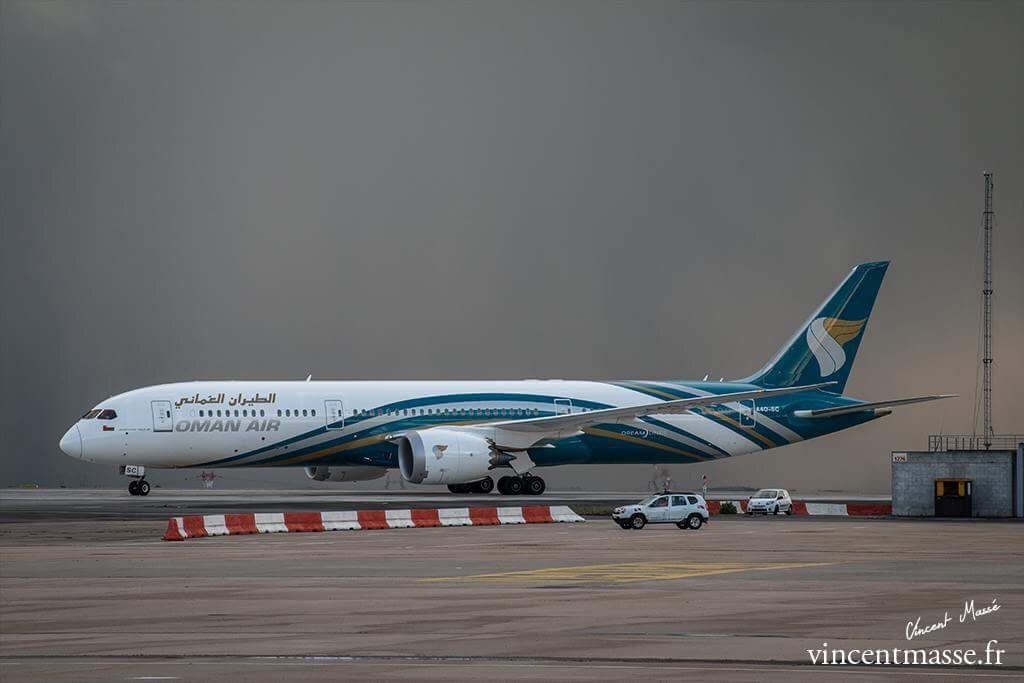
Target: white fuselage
(274, 423)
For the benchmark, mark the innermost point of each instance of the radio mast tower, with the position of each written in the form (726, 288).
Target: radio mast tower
(987, 307)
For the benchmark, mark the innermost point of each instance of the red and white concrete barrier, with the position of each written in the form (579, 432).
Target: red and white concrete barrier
(824, 509)
(180, 528)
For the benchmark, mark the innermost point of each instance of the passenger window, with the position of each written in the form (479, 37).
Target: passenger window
(303, 412)
(262, 414)
(313, 413)
(678, 500)
(288, 412)
(660, 503)
(693, 500)
(279, 412)
(106, 415)
(236, 413)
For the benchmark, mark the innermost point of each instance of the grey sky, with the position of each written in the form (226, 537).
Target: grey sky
(501, 190)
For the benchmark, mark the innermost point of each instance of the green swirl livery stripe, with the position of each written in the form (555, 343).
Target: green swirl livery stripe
(757, 434)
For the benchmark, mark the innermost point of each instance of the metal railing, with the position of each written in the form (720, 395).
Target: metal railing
(974, 442)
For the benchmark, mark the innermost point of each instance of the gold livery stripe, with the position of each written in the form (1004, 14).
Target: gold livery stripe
(643, 442)
(746, 430)
(647, 390)
(843, 330)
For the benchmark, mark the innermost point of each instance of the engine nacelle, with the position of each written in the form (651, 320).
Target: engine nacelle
(345, 473)
(443, 456)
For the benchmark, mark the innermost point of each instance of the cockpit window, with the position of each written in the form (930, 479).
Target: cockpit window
(91, 414)
(106, 415)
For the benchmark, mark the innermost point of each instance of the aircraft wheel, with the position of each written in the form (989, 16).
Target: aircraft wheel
(513, 487)
(485, 485)
(637, 521)
(143, 488)
(133, 487)
(535, 486)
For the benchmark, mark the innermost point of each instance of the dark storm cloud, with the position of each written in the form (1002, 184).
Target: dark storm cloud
(492, 190)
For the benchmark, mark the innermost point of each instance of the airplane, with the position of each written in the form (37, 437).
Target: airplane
(458, 433)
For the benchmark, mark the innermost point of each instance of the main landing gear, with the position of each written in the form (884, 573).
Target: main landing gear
(526, 484)
(138, 487)
(484, 486)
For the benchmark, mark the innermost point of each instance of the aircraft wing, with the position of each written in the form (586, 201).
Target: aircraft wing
(860, 407)
(519, 435)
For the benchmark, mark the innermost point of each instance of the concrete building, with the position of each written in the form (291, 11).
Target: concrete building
(980, 483)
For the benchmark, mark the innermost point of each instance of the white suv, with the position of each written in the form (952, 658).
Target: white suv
(770, 500)
(686, 510)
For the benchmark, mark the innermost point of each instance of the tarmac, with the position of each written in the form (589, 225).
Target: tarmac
(46, 504)
(88, 591)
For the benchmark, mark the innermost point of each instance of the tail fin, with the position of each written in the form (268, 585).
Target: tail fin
(824, 348)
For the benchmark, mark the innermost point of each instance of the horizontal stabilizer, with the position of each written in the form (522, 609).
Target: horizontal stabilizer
(860, 407)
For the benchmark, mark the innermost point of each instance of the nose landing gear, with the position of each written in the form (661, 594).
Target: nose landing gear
(138, 487)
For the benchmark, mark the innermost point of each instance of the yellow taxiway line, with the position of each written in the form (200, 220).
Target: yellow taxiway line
(625, 572)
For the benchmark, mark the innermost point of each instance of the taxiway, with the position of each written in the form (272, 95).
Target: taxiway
(97, 598)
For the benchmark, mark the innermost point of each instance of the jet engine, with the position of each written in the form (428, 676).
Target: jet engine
(443, 456)
(345, 473)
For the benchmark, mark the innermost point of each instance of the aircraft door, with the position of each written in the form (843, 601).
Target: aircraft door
(334, 414)
(563, 406)
(746, 411)
(162, 421)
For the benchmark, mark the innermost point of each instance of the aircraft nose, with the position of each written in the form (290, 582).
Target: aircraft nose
(71, 442)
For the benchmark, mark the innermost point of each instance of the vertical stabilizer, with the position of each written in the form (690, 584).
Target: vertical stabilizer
(823, 348)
